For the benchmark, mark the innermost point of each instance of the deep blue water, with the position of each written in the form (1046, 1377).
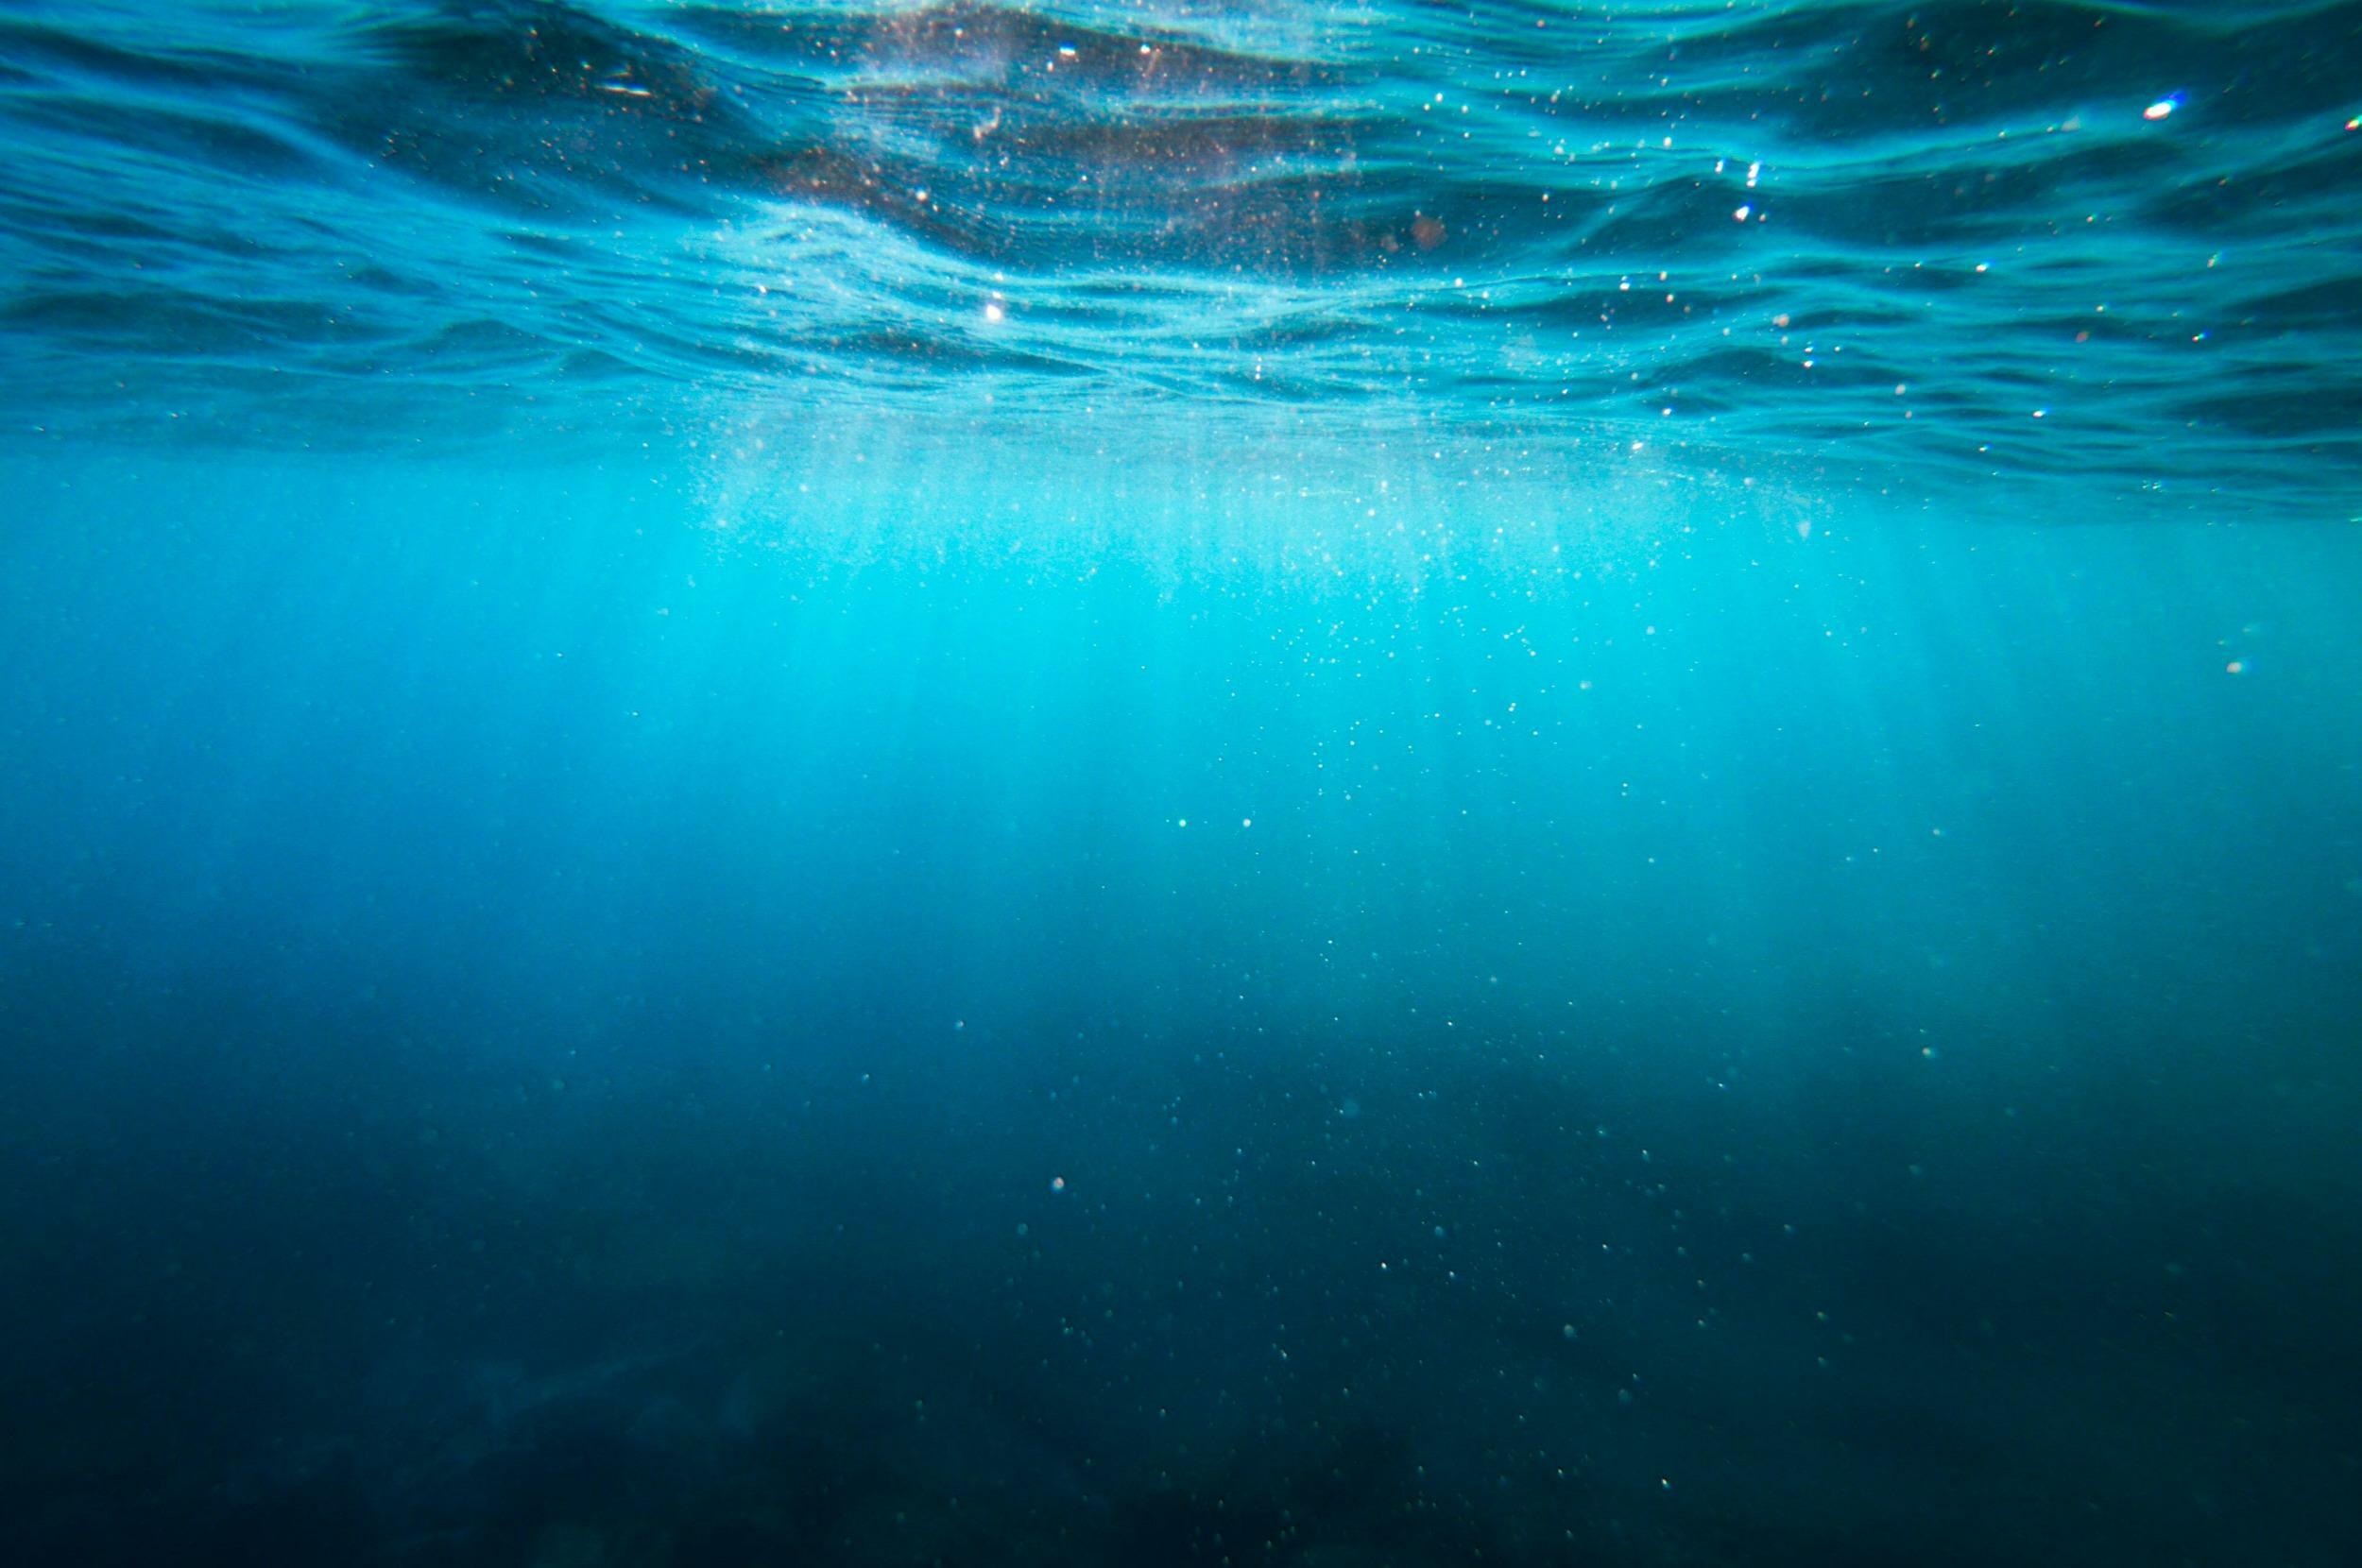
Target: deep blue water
(1245, 785)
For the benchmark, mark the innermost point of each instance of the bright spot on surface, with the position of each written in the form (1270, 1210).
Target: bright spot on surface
(1246, 821)
(2158, 109)
(1741, 213)
(1057, 1184)
(1183, 822)
(2236, 667)
(995, 311)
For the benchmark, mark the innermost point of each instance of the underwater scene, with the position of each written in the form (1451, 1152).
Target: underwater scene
(1250, 783)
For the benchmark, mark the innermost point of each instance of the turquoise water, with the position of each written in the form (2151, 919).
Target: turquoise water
(1323, 787)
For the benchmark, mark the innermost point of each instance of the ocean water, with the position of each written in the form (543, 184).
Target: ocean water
(1257, 784)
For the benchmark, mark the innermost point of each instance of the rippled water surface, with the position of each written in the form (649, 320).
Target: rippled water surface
(1960, 237)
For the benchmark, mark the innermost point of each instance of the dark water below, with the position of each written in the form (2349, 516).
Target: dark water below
(1200, 786)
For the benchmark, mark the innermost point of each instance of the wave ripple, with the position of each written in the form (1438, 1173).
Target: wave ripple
(2046, 237)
